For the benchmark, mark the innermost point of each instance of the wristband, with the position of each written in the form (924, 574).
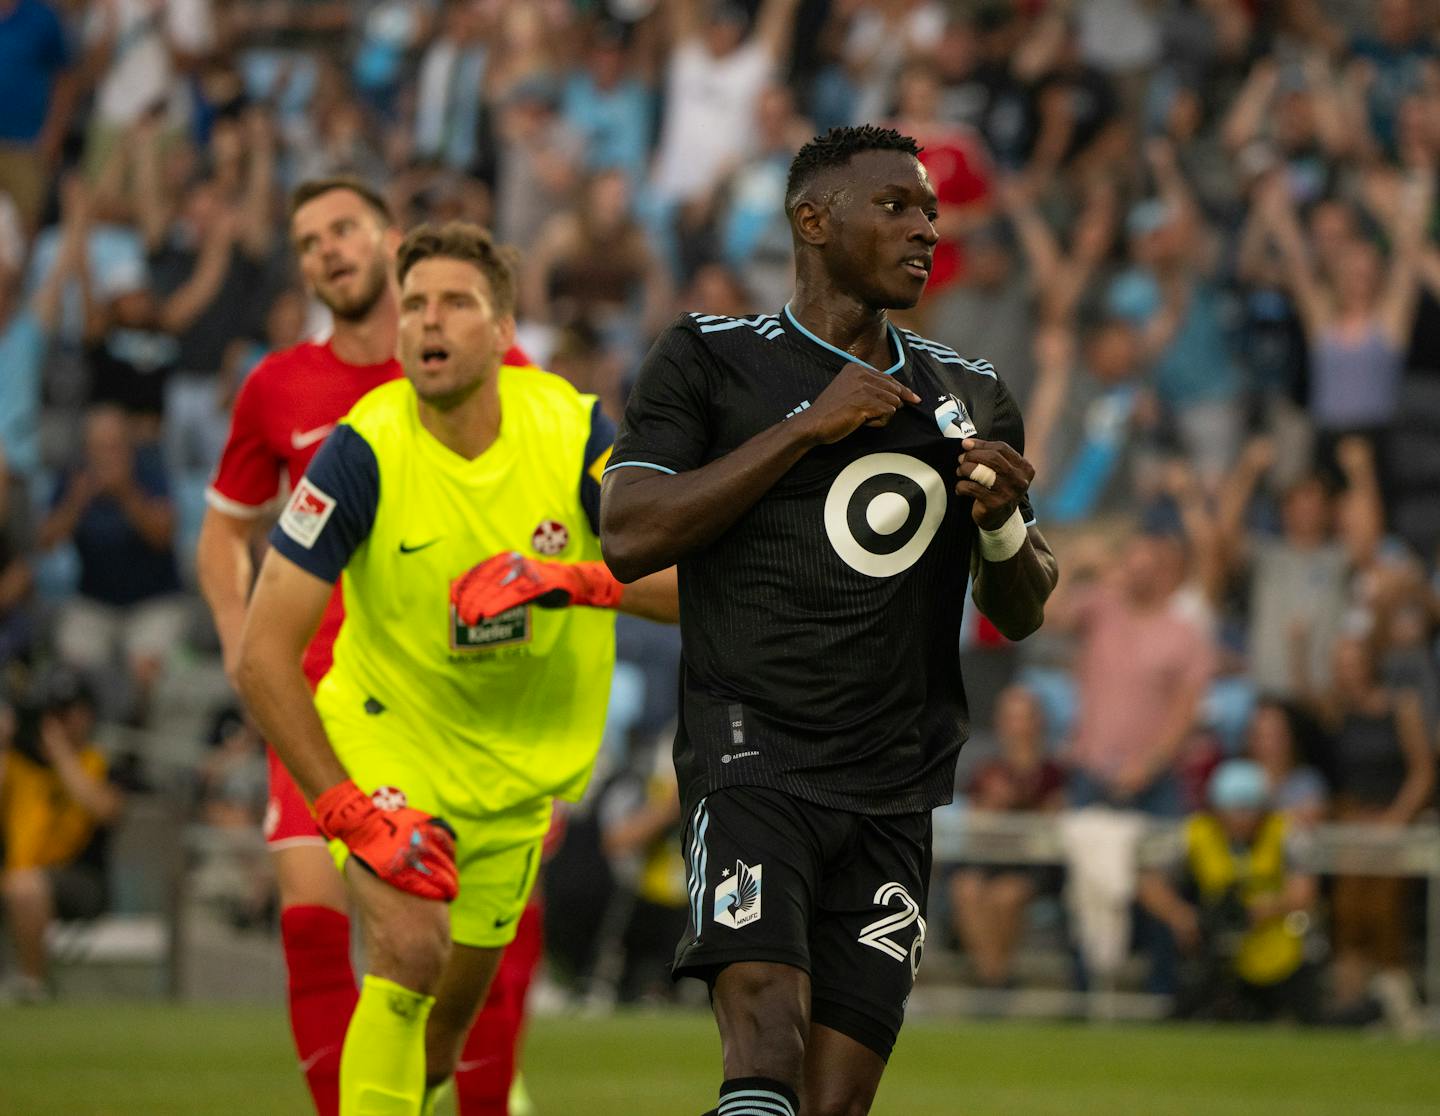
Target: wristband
(1005, 541)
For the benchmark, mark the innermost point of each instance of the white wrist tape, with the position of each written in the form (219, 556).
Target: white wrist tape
(1005, 541)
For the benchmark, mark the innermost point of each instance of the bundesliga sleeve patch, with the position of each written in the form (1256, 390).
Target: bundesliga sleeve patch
(307, 512)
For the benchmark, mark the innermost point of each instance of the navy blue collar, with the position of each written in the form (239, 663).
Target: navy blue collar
(894, 336)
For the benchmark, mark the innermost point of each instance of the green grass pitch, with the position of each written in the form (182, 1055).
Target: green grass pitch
(119, 1060)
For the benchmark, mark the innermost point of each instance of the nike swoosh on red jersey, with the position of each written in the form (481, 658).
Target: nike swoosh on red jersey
(304, 439)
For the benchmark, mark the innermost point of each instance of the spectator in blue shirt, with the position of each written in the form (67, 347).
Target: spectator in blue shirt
(115, 508)
(611, 108)
(26, 327)
(36, 98)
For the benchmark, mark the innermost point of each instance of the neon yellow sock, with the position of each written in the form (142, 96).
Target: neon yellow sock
(382, 1066)
(520, 1102)
(434, 1096)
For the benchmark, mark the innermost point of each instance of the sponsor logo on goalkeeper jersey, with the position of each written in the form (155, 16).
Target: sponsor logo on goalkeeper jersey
(737, 898)
(550, 538)
(507, 629)
(308, 510)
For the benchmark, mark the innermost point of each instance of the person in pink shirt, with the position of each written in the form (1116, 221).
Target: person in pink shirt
(1142, 668)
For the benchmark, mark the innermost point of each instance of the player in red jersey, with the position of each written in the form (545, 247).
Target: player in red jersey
(345, 241)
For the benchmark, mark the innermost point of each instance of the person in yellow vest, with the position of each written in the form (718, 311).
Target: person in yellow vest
(56, 800)
(1240, 903)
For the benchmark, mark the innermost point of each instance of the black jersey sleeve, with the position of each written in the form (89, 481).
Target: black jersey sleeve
(666, 425)
(332, 509)
(1009, 427)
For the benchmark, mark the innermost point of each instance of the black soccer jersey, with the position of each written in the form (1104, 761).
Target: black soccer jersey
(820, 633)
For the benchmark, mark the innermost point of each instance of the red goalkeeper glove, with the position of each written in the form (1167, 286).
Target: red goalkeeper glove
(406, 848)
(508, 580)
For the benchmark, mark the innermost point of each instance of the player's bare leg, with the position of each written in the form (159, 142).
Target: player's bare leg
(762, 1010)
(407, 943)
(841, 1075)
(458, 997)
(306, 876)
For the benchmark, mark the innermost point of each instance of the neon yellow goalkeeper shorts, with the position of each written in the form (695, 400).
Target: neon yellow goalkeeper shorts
(497, 854)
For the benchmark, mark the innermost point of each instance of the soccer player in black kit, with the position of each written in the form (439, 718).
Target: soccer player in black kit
(826, 483)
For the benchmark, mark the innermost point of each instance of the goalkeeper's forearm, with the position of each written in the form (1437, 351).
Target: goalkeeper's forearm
(284, 612)
(278, 697)
(654, 597)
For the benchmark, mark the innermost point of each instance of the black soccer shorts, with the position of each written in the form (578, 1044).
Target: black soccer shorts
(838, 894)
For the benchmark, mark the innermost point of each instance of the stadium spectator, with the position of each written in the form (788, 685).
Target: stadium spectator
(962, 176)
(752, 234)
(26, 329)
(141, 51)
(1172, 294)
(1240, 903)
(114, 506)
(1303, 575)
(38, 88)
(209, 271)
(1294, 788)
(611, 106)
(989, 901)
(540, 161)
(1136, 712)
(881, 41)
(56, 800)
(232, 795)
(1384, 760)
(716, 73)
(640, 834)
(594, 263)
(448, 102)
(1359, 317)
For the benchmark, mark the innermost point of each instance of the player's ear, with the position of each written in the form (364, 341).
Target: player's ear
(811, 221)
(505, 333)
(391, 240)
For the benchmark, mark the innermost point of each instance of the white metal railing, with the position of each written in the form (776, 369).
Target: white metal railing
(978, 837)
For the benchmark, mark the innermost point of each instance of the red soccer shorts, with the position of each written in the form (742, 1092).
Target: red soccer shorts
(288, 820)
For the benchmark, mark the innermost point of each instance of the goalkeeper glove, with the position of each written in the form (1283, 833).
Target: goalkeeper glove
(508, 580)
(406, 848)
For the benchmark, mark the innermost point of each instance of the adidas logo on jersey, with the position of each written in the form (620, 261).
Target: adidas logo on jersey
(804, 406)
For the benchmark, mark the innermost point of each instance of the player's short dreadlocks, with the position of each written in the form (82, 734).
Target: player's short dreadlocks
(836, 148)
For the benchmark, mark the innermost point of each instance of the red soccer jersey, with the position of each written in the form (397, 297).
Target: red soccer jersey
(284, 410)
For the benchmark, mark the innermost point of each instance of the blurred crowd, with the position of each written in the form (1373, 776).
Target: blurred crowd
(1196, 238)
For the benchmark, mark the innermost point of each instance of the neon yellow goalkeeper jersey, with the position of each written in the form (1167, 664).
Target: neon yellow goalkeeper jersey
(511, 709)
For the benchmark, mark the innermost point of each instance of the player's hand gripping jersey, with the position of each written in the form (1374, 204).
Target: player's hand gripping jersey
(796, 673)
(498, 714)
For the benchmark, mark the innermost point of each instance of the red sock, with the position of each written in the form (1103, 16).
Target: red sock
(487, 1063)
(322, 995)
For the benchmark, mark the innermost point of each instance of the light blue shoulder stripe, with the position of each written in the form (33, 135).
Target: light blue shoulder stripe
(637, 465)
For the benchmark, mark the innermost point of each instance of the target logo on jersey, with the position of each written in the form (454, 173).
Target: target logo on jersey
(550, 538)
(389, 798)
(882, 511)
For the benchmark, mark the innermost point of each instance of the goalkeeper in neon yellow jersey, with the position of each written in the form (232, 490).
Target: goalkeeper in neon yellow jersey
(449, 722)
